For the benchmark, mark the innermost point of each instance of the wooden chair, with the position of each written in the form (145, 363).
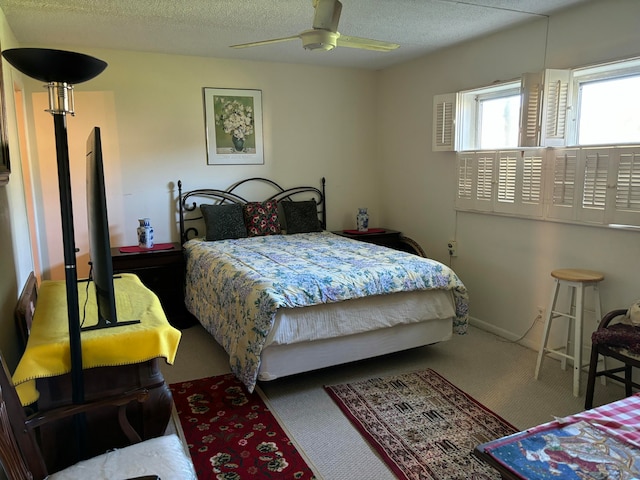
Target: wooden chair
(22, 458)
(612, 340)
(25, 308)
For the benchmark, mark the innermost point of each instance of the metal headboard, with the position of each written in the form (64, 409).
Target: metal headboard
(188, 203)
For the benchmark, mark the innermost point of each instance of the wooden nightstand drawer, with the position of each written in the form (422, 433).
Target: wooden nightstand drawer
(387, 238)
(379, 236)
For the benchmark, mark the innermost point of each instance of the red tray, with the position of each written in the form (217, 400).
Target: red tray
(136, 248)
(371, 230)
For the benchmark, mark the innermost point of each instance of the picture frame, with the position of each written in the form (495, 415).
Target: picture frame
(5, 164)
(233, 126)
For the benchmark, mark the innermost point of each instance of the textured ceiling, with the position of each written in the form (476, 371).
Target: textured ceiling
(208, 27)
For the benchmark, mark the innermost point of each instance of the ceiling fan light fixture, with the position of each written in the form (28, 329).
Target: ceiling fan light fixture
(324, 35)
(322, 40)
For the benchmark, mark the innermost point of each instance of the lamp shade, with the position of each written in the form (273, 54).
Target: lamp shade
(49, 65)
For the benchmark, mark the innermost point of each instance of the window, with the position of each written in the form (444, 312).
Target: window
(607, 100)
(555, 108)
(498, 121)
(588, 116)
(490, 117)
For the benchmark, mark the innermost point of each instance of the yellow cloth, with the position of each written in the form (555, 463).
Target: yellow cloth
(48, 353)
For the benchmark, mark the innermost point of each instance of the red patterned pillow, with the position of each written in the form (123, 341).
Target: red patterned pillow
(261, 218)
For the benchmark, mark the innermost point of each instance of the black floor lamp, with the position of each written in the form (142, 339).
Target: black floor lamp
(61, 70)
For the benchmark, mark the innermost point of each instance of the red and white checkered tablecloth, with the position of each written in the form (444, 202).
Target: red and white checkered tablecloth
(620, 419)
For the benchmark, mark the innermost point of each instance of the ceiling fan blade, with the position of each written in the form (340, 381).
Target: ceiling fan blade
(366, 43)
(327, 15)
(265, 42)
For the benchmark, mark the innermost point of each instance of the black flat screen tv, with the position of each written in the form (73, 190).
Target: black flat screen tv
(99, 243)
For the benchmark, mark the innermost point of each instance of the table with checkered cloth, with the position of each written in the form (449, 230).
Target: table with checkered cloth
(594, 443)
(620, 419)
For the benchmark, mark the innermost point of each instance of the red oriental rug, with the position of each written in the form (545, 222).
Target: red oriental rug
(422, 426)
(232, 435)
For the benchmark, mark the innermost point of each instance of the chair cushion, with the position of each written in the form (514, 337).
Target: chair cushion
(619, 335)
(162, 456)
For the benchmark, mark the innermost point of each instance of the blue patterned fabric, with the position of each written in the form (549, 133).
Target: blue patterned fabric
(235, 287)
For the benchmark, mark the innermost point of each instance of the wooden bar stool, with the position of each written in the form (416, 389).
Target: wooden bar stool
(576, 280)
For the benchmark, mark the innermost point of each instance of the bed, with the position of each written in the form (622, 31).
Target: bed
(284, 296)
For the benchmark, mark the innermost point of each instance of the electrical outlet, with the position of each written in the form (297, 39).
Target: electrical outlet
(540, 312)
(452, 246)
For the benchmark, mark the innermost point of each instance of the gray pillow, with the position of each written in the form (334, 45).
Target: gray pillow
(223, 221)
(301, 217)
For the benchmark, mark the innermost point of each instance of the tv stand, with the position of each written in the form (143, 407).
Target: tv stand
(114, 360)
(101, 325)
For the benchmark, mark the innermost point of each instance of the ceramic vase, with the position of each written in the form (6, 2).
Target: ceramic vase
(362, 220)
(145, 233)
(238, 143)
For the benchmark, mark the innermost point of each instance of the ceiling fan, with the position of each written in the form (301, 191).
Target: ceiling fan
(324, 35)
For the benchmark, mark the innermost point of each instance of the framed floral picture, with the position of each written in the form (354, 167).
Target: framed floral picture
(233, 126)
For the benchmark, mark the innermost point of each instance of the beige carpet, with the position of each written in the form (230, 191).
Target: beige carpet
(495, 372)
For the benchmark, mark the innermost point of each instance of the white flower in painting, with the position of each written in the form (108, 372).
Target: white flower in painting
(235, 118)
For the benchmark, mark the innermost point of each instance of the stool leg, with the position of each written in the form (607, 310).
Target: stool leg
(547, 326)
(570, 325)
(577, 341)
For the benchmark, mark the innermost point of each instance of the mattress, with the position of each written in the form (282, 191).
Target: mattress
(261, 292)
(359, 315)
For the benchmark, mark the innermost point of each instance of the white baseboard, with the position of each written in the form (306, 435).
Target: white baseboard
(528, 343)
(525, 342)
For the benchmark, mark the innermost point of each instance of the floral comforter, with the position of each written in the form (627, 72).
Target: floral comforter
(235, 287)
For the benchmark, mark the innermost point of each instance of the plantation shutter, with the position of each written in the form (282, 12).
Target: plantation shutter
(507, 166)
(530, 110)
(590, 186)
(531, 194)
(627, 191)
(444, 112)
(555, 104)
(465, 199)
(485, 161)
(563, 192)
(520, 182)
(475, 181)
(596, 163)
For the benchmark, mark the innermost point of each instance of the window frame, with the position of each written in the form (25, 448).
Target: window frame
(468, 111)
(595, 73)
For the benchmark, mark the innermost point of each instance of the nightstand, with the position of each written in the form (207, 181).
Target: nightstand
(379, 236)
(162, 271)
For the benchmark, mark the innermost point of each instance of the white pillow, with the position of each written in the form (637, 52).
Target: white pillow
(162, 456)
(633, 315)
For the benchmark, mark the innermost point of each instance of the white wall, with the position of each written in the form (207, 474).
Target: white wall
(369, 133)
(317, 122)
(504, 262)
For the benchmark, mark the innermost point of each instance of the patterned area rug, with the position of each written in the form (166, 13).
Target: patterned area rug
(422, 426)
(232, 434)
